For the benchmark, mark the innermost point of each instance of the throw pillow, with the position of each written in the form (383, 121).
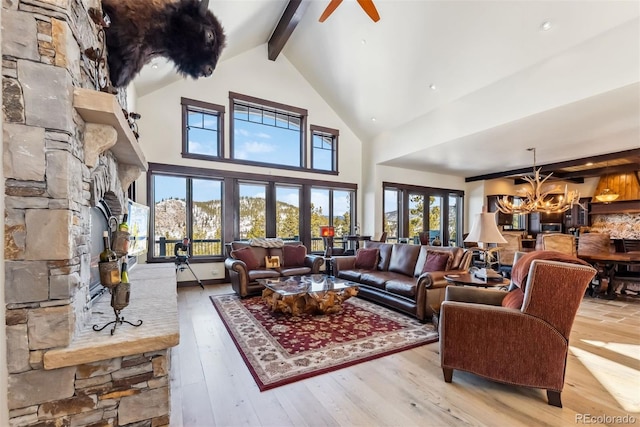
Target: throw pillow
(294, 255)
(367, 258)
(437, 261)
(513, 299)
(246, 255)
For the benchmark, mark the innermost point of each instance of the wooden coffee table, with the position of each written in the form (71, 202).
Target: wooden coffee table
(313, 294)
(469, 279)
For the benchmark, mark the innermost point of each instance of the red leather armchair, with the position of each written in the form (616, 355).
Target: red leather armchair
(527, 346)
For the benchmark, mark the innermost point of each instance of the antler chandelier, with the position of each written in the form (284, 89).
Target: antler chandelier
(538, 197)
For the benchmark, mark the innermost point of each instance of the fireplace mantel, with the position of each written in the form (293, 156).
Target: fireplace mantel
(153, 300)
(103, 109)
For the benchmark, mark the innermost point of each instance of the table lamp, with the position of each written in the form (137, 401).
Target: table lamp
(484, 232)
(327, 232)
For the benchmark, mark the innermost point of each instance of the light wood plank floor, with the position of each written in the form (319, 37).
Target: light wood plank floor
(211, 386)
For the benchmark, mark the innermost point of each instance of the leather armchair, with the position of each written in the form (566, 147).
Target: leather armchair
(527, 346)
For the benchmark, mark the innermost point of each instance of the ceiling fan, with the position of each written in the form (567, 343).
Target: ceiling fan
(366, 5)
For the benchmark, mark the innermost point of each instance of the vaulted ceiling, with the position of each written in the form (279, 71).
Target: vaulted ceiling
(426, 56)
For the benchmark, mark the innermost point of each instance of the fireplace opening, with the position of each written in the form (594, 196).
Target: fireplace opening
(100, 215)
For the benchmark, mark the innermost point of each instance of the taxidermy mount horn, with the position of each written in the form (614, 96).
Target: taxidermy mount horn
(184, 31)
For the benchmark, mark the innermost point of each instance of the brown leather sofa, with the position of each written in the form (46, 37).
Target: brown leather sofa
(244, 281)
(398, 281)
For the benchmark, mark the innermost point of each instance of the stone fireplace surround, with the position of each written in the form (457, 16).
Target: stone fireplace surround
(65, 147)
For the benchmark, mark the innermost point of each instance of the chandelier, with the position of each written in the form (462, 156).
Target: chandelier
(606, 195)
(538, 196)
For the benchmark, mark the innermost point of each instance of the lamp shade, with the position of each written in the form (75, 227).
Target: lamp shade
(485, 230)
(327, 231)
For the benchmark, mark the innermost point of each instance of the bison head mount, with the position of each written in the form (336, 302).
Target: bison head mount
(184, 31)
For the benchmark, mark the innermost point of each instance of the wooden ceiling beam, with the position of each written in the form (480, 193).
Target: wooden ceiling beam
(288, 22)
(632, 155)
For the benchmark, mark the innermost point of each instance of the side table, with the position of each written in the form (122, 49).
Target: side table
(468, 279)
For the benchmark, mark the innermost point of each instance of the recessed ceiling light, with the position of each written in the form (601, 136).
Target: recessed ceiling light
(589, 164)
(432, 86)
(154, 66)
(363, 41)
(373, 119)
(545, 26)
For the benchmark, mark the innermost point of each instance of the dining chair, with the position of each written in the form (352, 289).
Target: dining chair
(565, 243)
(507, 251)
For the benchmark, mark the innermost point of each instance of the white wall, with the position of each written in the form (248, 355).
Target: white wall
(250, 73)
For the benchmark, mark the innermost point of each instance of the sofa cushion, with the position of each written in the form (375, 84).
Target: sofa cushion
(294, 255)
(437, 261)
(513, 299)
(262, 274)
(352, 275)
(247, 256)
(403, 259)
(367, 258)
(405, 287)
(375, 279)
(295, 271)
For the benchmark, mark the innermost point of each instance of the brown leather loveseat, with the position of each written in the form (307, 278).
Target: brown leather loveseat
(398, 279)
(246, 264)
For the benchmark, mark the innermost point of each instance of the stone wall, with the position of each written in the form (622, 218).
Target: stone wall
(48, 195)
(619, 226)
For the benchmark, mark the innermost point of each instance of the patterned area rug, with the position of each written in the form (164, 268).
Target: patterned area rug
(280, 349)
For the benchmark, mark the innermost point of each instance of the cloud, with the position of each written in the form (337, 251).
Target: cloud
(249, 149)
(199, 148)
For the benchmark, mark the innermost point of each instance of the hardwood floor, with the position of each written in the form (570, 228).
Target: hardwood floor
(211, 386)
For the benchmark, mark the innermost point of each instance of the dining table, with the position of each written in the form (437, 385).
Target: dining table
(608, 264)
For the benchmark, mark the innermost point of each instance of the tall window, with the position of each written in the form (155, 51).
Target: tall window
(189, 202)
(341, 212)
(320, 215)
(288, 212)
(202, 129)
(206, 217)
(454, 224)
(252, 211)
(324, 155)
(416, 215)
(186, 207)
(390, 216)
(331, 207)
(267, 132)
(436, 218)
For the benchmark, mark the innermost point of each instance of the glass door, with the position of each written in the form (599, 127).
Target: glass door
(436, 235)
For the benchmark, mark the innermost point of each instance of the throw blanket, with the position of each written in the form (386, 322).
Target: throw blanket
(267, 242)
(521, 269)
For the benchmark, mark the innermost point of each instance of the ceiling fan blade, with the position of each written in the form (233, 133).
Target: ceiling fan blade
(329, 10)
(370, 8)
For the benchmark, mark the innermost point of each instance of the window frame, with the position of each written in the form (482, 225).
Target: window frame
(230, 197)
(218, 110)
(269, 105)
(169, 172)
(325, 131)
(405, 190)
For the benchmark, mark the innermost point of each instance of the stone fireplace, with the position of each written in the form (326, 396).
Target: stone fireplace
(66, 146)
